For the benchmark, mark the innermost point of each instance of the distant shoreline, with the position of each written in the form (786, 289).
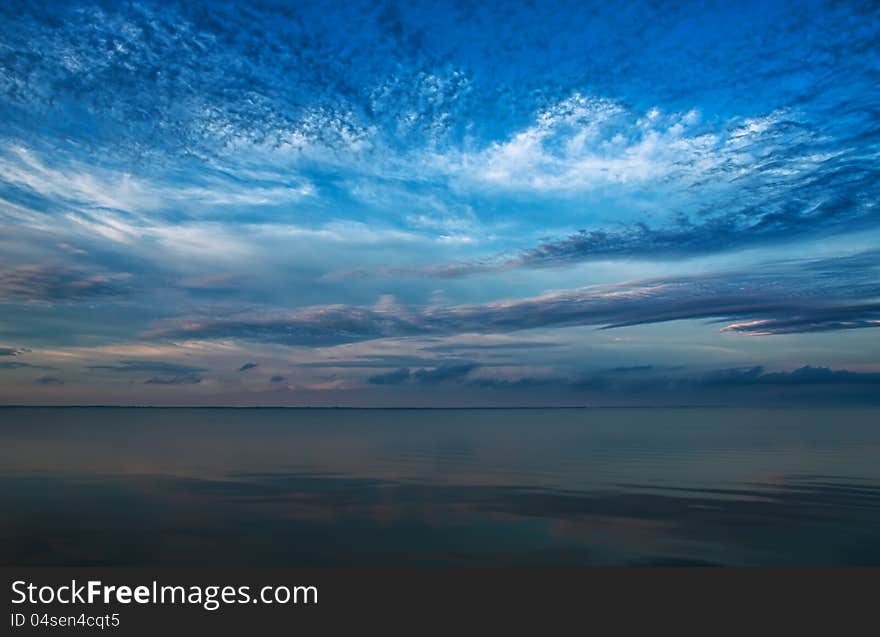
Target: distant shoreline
(455, 408)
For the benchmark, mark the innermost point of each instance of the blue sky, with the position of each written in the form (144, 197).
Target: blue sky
(448, 203)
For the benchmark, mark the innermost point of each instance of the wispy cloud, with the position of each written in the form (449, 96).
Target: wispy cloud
(59, 283)
(147, 366)
(501, 346)
(782, 297)
(813, 320)
(160, 372)
(768, 180)
(186, 379)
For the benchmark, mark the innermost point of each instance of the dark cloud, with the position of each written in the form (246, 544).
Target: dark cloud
(770, 298)
(740, 227)
(436, 375)
(155, 367)
(187, 379)
(382, 360)
(248, 366)
(328, 325)
(396, 377)
(513, 345)
(52, 283)
(214, 283)
(665, 386)
(845, 317)
(444, 374)
(276, 379)
(525, 382)
(631, 369)
(19, 365)
(49, 380)
(433, 376)
(10, 351)
(806, 375)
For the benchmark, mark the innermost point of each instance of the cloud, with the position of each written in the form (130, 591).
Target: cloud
(396, 377)
(10, 351)
(647, 384)
(163, 373)
(500, 346)
(632, 369)
(583, 142)
(444, 374)
(525, 382)
(186, 379)
(204, 172)
(783, 297)
(93, 191)
(59, 283)
(23, 169)
(248, 366)
(416, 75)
(755, 181)
(214, 282)
(276, 379)
(433, 376)
(147, 366)
(814, 320)
(462, 127)
(651, 385)
(323, 325)
(49, 380)
(19, 365)
(841, 201)
(381, 360)
(802, 376)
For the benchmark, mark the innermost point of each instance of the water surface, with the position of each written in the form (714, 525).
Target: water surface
(311, 487)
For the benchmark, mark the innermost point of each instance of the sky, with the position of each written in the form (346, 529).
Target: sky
(439, 203)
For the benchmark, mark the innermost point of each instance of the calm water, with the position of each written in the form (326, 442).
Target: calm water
(449, 487)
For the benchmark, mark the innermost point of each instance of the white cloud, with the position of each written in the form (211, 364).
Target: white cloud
(81, 186)
(76, 183)
(584, 142)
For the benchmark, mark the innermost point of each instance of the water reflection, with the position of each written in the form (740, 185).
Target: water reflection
(408, 487)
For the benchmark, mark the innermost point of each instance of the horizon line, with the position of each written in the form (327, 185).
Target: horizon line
(359, 408)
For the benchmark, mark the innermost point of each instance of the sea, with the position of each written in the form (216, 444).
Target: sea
(440, 487)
